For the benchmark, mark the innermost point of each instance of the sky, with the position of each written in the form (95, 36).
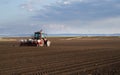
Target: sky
(59, 16)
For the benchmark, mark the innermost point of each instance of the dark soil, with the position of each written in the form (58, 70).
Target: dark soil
(80, 56)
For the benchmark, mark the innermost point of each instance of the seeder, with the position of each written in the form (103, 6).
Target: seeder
(39, 39)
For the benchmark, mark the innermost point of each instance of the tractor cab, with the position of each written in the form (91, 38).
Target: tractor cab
(39, 35)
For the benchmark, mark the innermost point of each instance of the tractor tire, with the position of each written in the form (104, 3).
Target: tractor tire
(48, 43)
(40, 43)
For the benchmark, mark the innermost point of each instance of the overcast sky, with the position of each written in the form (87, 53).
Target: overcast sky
(60, 16)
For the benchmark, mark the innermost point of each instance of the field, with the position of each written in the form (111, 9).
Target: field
(65, 56)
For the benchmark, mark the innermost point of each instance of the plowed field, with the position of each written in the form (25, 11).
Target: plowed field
(65, 56)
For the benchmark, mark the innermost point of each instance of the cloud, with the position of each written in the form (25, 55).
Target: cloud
(78, 10)
(56, 28)
(81, 16)
(103, 26)
(81, 1)
(67, 2)
(28, 7)
(33, 5)
(66, 16)
(106, 23)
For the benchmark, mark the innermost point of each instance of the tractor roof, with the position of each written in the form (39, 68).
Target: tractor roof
(38, 32)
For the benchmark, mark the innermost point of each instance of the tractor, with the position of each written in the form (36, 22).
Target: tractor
(39, 39)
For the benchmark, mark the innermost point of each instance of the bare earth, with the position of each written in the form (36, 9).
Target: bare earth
(66, 56)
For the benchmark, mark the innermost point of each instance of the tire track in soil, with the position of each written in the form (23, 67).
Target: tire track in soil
(61, 69)
(63, 63)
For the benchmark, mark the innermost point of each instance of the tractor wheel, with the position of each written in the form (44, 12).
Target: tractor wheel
(48, 43)
(40, 43)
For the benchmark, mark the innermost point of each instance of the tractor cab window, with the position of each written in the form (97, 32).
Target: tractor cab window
(43, 36)
(37, 36)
